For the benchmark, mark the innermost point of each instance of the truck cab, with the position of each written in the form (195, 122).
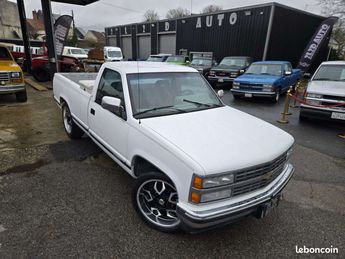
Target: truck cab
(11, 76)
(73, 52)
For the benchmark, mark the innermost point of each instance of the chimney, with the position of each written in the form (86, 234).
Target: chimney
(34, 15)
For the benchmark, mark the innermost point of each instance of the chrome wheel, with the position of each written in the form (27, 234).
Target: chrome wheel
(156, 200)
(67, 119)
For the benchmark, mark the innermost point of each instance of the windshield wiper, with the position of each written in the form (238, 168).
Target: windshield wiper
(159, 108)
(201, 104)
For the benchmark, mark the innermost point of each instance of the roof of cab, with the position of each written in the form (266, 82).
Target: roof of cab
(273, 62)
(130, 67)
(338, 62)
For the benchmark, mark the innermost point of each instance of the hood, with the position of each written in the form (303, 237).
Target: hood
(9, 65)
(200, 67)
(221, 139)
(334, 88)
(257, 79)
(226, 68)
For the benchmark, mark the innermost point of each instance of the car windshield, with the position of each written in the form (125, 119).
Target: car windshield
(233, 62)
(155, 58)
(175, 59)
(330, 73)
(4, 54)
(201, 62)
(77, 51)
(159, 94)
(265, 69)
(114, 54)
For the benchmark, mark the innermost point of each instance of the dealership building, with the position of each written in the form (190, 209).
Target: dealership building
(265, 32)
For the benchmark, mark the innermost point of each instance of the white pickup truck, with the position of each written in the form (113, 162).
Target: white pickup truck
(325, 94)
(197, 162)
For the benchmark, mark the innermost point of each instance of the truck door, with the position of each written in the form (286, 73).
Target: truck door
(287, 79)
(107, 128)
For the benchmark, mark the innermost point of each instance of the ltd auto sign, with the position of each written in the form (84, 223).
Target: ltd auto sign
(209, 20)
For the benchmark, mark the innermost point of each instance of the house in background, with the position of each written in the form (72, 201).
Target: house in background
(35, 26)
(95, 38)
(9, 20)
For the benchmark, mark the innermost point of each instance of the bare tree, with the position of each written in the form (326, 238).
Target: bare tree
(151, 16)
(336, 8)
(211, 9)
(177, 13)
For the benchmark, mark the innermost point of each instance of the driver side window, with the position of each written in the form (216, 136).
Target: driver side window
(110, 84)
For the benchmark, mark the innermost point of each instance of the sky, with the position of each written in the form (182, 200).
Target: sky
(106, 13)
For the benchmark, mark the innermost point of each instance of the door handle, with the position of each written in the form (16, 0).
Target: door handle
(92, 111)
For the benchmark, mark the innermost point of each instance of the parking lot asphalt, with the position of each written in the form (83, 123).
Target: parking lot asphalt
(61, 198)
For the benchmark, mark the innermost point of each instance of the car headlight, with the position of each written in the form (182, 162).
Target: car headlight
(267, 88)
(235, 83)
(211, 188)
(289, 153)
(16, 75)
(311, 95)
(234, 74)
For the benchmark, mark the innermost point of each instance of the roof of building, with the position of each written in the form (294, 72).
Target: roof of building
(35, 24)
(130, 67)
(99, 35)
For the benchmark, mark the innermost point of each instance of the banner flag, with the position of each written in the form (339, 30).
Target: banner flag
(61, 28)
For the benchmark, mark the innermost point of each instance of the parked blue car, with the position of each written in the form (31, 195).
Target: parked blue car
(266, 79)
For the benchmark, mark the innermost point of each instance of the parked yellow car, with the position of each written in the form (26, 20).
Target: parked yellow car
(11, 76)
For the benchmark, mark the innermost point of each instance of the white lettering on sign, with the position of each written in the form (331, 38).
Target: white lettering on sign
(167, 26)
(125, 30)
(143, 27)
(198, 22)
(316, 41)
(220, 18)
(209, 21)
(233, 18)
(60, 34)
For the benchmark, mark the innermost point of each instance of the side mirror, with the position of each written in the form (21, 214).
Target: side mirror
(105, 56)
(113, 105)
(307, 76)
(220, 93)
(287, 73)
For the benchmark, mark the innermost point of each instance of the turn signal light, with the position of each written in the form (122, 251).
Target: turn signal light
(197, 183)
(195, 197)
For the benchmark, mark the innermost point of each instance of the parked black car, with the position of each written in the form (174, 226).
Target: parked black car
(228, 69)
(203, 64)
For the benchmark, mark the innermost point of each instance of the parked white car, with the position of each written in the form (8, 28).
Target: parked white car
(112, 54)
(73, 52)
(325, 94)
(197, 162)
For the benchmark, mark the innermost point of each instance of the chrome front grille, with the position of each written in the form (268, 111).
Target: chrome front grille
(4, 76)
(258, 177)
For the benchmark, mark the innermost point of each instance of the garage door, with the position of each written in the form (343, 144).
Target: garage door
(126, 46)
(167, 43)
(144, 47)
(112, 41)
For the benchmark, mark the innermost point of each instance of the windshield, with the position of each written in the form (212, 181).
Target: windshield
(4, 54)
(114, 54)
(175, 59)
(159, 94)
(265, 69)
(233, 62)
(330, 73)
(201, 62)
(155, 58)
(77, 51)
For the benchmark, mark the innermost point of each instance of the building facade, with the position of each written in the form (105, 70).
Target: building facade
(9, 20)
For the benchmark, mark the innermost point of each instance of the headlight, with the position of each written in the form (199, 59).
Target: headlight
(289, 153)
(203, 188)
(235, 83)
(267, 88)
(16, 74)
(234, 74)
(311, 95)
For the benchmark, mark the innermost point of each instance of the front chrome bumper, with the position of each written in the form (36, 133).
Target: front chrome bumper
(254, 93)
(195, 221)
(9, 89)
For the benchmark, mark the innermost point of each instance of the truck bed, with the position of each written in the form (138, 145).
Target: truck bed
(84, 80)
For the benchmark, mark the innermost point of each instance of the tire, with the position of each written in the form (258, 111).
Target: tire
(72, 129)
(276, 97)
(22, 96)
(42, 74)
(154, 198)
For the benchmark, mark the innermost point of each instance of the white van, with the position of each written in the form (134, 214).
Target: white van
(74, 52)
(112, 54)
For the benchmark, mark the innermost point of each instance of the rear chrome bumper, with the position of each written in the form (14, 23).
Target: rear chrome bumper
(9, 89)
(196, 221)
